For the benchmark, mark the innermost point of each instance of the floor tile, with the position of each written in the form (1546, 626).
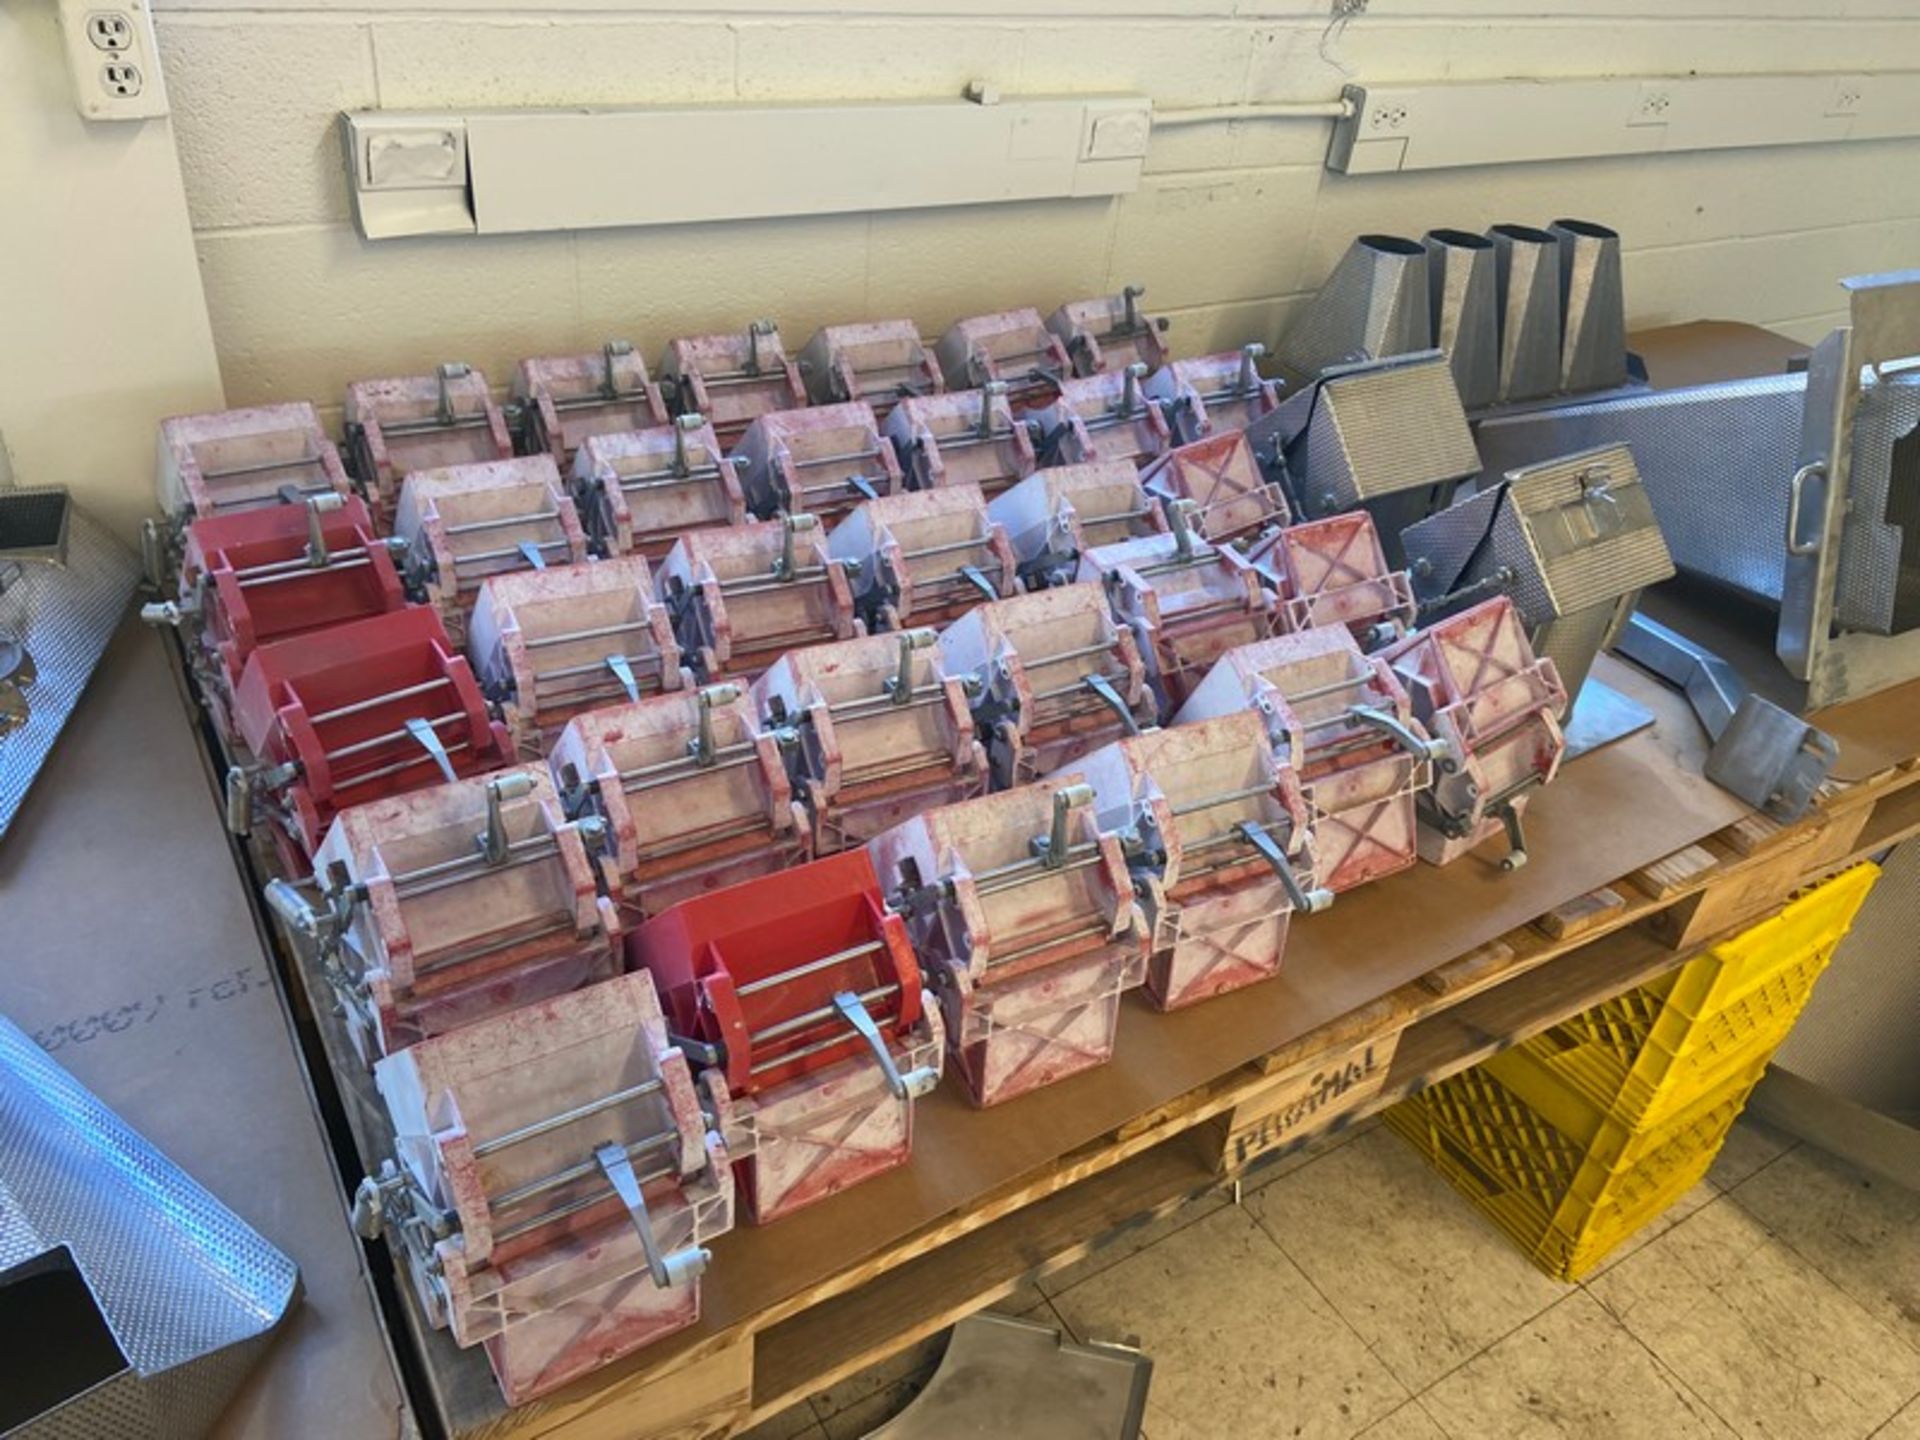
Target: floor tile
(856, 1404)
(1410, 1422)
(1904, 1426)
(1698, 1198)
(1027, 1297)
(1572, 1372)
(1750, 1147)
(1861, 1232)
(1403, 1258)
(1242, 1345)
(1131, 1242)
(1774, 1347)
(796, 1422)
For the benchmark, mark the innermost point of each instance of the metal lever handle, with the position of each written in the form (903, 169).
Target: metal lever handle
(1111, 698)
(530, 552)
(1410, 740)
(973, 576)
(318, 505)
(1130, 388)
(686, 426)
(164, 612)
(1065, 799)
(292, 907)
(424, 734)
(989, 392)
(1308, 902)
(900, 686)
(613, 351)
(909, 1086)
(494, 844)
(755, 332)
(239, 798)
(1249, 377)
(623, 672)
(679, 1268)
(449, 372)
(702, 745)
(791, 525)
(1509, 817)
(1129, 296)
(1180, 519)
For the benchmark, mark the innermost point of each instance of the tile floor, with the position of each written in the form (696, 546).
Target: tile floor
(1351, 1293)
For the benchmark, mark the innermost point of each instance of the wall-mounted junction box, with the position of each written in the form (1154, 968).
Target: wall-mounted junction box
(503, 171)
(1501, 122)
(113, 59)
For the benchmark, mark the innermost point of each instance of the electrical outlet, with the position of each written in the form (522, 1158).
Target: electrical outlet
(110, 30)
(1653, 106)
(1388, 115)
(113, 59)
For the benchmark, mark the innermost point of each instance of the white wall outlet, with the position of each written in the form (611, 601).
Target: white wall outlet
(113, 59)
(1654, 104)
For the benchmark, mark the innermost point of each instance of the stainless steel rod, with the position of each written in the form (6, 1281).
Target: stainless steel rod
(565, 1118)
(362, 705)
(812, 967)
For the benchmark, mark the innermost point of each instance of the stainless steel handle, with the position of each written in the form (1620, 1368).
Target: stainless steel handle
(1796, 489)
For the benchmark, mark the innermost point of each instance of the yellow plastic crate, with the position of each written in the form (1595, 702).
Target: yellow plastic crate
(1570, 1186)
(1648, 1054)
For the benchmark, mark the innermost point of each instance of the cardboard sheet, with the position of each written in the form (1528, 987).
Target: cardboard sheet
(130, 954)
(1608, 813)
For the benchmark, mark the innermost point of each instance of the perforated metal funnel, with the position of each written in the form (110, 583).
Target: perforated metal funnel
(1593, 343)
(1373, 305)
(1464, 288)
(1528, 261)
(140, 1300)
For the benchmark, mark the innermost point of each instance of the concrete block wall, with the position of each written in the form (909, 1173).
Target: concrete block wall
(1236, 222)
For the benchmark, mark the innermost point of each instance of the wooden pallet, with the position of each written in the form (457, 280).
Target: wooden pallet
(1402, 984)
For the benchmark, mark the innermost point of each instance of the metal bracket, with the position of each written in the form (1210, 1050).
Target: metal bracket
(1130, 380)
(679, 1268)
(1308, 902)
(1765, 755)
(1111, 698)
(447, 373)
(422, 732)
(909, 1086)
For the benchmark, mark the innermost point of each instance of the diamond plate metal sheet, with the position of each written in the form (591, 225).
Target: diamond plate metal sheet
(189, 1291)
(1715, 459)
(1375, 304)
(64, 616)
